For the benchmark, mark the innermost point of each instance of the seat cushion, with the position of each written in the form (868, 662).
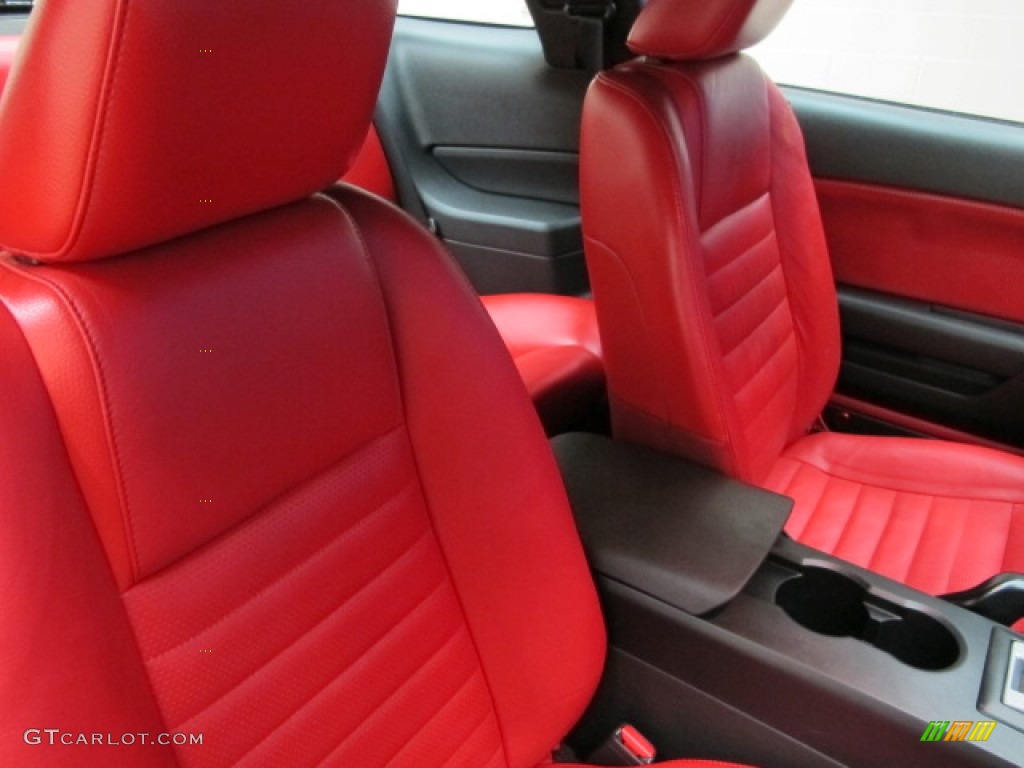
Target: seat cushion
(939, 517)
(557, 350)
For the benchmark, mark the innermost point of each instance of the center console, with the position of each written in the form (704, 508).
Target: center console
(734, 641)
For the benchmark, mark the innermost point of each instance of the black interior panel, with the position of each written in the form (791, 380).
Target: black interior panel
(891, 145)
(814, 661)
(661, 523)
(682, 720)
(528, 173)
(484, 139)
(956, 369)
(835, 695)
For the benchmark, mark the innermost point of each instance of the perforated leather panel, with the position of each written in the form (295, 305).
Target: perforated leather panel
(334, 635)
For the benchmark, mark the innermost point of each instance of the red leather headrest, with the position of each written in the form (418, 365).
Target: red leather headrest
(130, 122)
(703, 29)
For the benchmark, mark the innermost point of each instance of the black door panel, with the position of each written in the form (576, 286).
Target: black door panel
(911, 148)
(484, 139)
(960, 370)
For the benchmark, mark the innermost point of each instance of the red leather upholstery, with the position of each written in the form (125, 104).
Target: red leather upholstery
(940, 517)
(553, 340)
(957, 253)
(310, 604)
(698, 29)
(70, 661)
(146, 149)
(556, 348)
(714, 295)
(248, 490)
(718, 314)
(370, 170)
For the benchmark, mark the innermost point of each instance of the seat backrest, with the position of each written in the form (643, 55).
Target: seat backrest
(267, 473)
(705, 248)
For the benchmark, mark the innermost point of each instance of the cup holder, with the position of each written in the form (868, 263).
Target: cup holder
(830, 603)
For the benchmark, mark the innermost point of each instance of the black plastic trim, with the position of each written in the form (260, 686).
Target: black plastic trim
(492, 270)
(901, 146)
(953, 368)
(1000, 598)
(684, 720)
(529, 173)
(462, 102)
(839, 696)
(576, 41)
(918, 327)
(827, 601)
(990, 699)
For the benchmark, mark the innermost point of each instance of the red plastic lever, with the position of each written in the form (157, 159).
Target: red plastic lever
(636, 743)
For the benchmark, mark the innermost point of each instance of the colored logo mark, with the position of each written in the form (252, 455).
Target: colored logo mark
(958, 730)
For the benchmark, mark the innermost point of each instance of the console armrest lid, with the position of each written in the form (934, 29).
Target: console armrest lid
(679, 532)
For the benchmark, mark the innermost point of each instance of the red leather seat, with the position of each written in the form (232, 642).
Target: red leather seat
(556, 348)
(248, 490)
(370, 170)
(718, 314)
(553, 339)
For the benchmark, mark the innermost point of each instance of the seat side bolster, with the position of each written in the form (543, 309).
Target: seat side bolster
(67, 649)
(805, 264)
(511, 548)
